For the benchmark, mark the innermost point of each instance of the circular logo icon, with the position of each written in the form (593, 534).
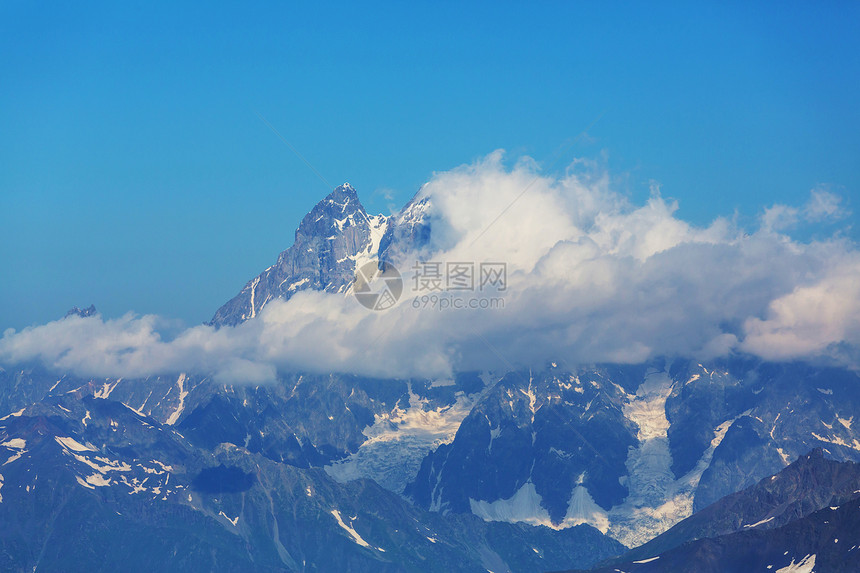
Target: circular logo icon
(377, 285)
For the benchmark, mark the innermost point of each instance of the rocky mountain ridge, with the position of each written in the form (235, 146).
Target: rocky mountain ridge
(332, 240)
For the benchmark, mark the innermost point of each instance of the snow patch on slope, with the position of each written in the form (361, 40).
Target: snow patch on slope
(98, 480)
(376, 225)
(17, 445)
(650, 479)
(757, 523)
(805, 565)
(838, 441)
(583, 509)
(399, 440)
(74, 445)
(234, 521)
(526, 506)
(657, 500)
(183, 393)
(106, 389)
(13, 414)
(352, 532)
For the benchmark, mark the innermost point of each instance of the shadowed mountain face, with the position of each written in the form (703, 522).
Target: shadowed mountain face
(335, 237)
(827, 540)
(632, 450)
(805, 518)
(809, 484)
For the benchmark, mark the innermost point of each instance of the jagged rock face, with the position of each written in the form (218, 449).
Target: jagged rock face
(784, 411)
(165, 398)
(633, 450)
(304, 420)
(552, 431)
(335, 237)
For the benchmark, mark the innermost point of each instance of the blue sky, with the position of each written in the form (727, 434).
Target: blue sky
(136, 175)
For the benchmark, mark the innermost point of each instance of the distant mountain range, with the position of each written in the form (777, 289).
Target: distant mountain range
(546, 469)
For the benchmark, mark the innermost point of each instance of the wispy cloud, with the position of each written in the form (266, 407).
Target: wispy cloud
(823, 205)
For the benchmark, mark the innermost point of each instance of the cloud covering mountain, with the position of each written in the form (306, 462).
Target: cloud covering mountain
(591, 277)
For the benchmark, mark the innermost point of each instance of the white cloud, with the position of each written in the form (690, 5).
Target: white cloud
(824, 205)
(591, 278)
(780, 217)
(812, 319)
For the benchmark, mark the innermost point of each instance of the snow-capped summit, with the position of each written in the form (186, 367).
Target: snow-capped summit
(335, 237)
(344, 196)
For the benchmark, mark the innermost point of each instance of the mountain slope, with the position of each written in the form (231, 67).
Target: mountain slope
(809, 484)
(826, 541)
(87, 481)
(332, 240)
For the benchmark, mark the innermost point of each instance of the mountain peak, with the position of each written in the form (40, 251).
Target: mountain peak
(340, 208)
(329, 241)
(82, 312)
(814, 454)
(344, 196)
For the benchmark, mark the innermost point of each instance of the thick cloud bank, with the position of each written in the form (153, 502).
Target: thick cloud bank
(590, 278)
